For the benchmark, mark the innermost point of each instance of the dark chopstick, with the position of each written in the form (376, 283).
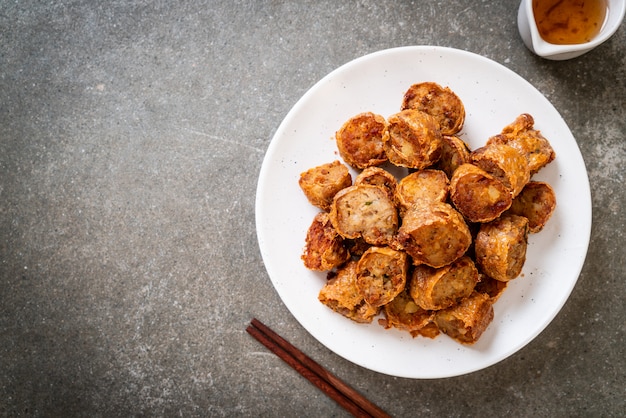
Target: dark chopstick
(330, 384)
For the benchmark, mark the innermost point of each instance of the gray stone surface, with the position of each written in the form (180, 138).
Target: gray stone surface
(131, 137)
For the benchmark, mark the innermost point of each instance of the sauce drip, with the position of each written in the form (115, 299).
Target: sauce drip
(567, 22)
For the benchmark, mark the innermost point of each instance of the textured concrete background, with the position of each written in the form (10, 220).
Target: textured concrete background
(131, 137)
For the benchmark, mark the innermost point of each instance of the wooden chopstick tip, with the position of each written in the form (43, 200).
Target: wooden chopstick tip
(344, 395)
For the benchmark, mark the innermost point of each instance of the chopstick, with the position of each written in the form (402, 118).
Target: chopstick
(331, 385)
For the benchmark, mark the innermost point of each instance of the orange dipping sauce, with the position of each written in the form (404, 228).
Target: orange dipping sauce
(567, 22)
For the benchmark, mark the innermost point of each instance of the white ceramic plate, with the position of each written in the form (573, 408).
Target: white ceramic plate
(493, 97)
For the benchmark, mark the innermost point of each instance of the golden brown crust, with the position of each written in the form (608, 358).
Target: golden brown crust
(376, 176)
(505, 163)
(324, 249)
(360, 140)
(412, 139)
(536, 202)
(530, 142)
(454, 153)
(440, 102)
(321, 183)
(434, 289)
(341, 295)
(478, 195)
(404, 314)
(381, 275)
(427, 184)
(501, 247)
(466, 321)
(364, 211)
(430, 330)
(433, 233)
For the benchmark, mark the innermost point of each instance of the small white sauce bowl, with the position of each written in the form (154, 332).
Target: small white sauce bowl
(533, 40)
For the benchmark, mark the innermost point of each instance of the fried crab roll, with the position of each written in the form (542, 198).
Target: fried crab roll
(439, 102)
(321, 183)
(381, 274)
(505, 163)
(376, 176)
(324, 248)
(412, 139)
(360, 140)
(530, 142)
(341, 295)
(364, 211)
(428, 184)
(478, 195)
(404, 314)
(454, 153)
(434, 289)
(466, 321)
(536, 202)
(501, 247)
(434, 233)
